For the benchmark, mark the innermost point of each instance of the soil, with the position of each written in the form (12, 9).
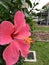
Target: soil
(41, 35)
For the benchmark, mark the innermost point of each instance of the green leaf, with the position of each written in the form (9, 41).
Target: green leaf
(23, 2)
(37, 3)
(9, 3)
(2, 4)
(37, 9)
(29, 2)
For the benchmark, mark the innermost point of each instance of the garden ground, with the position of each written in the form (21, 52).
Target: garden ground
(42, 50)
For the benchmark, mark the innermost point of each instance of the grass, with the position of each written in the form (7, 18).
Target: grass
(41, 48)
(42, 28)
(42, 53)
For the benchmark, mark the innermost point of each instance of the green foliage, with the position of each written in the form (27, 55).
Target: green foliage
(28, 1)
(2, 62)
(45, 8)
(9, 7)
(20, 62)
(42, 53)
(31, 22)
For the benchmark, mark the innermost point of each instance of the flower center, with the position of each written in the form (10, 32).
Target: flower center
(29, 40)
(14, 35)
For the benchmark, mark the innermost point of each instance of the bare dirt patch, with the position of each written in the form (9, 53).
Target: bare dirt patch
(41, 35)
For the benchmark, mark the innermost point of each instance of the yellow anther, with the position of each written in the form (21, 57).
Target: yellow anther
(29, 40)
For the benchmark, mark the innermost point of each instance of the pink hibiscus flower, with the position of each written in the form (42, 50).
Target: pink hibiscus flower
(17, 36)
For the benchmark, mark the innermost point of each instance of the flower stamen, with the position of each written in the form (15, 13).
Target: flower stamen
(29, 40)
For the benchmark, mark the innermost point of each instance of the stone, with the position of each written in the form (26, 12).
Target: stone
(31, 57)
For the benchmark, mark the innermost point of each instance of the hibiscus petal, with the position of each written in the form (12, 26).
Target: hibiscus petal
(19, 19)
(23, 33)
(6, 29)
(11, 54)
(23, 47)
(28, 27)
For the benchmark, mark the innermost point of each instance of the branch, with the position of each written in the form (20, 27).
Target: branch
(31, 10)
